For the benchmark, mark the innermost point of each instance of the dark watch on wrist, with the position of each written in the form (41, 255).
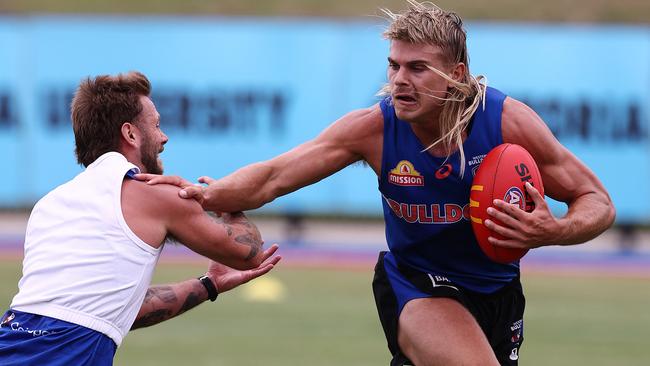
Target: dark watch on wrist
(209, 286)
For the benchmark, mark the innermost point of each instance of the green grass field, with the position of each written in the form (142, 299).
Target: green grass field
(328, 318)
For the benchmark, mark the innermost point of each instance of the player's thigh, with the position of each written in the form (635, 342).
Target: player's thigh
(440, 331)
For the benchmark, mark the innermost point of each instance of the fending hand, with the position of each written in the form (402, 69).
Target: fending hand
(188, 189)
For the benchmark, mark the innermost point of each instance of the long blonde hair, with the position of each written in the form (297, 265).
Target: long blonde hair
(426, 23)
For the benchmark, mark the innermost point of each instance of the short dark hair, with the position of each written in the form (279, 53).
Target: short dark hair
(99, 108)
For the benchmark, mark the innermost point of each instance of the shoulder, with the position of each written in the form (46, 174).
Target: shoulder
(368, 116)
(521, 125)
(355, 125)
(361, 123)
(357, 135)
(158, 199)
(513, 108)
(360, 126)
(519, 120)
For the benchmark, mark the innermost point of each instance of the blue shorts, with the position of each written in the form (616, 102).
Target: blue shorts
(30, 339)
(499, 314)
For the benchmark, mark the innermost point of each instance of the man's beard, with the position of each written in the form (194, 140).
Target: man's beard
(149, 156)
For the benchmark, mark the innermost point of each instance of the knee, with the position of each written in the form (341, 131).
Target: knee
(417, 355)
(405, 345)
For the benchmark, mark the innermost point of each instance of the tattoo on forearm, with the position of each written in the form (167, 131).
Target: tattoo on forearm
(191, 301)
(164, 304)
(151, 318)
(165, 293)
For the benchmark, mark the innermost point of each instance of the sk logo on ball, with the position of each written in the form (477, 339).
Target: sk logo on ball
(514, 196)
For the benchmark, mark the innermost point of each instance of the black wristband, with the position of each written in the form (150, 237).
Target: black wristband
(209, 286)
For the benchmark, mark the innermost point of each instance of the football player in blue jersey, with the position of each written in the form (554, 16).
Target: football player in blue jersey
(441, 301)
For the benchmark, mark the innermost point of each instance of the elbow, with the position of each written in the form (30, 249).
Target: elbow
(243, 245)
(606, 218)
(250, 258)
(609, 211)
(254, 259)
(244, 264)
(237, 263)
(238, 260)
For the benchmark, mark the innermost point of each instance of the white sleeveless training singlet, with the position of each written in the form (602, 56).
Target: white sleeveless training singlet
(82, 263)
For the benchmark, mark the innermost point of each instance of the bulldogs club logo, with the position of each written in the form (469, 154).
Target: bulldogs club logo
(516, 331)
(514, 196)
(405, 174)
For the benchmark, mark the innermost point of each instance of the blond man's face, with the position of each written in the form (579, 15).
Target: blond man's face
(416, 90)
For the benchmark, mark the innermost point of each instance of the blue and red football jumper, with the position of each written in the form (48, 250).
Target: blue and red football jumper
(426, 202)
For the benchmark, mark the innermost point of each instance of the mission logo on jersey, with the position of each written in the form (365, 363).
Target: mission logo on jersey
(405, 174)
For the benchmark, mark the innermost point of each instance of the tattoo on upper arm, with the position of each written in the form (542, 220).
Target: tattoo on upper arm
(228, 229)
(222, 222)
(236, 218)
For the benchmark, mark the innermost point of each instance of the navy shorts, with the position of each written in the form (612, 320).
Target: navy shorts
(30, 339)
(500, 314)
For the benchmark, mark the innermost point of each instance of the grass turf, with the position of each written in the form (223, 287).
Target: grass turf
(327, 317)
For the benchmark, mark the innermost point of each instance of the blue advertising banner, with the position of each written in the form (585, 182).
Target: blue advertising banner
(232, 91)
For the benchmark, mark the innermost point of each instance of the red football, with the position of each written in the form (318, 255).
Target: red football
(502, 175)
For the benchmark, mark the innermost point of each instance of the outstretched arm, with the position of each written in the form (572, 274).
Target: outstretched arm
(156, 212)
(356, 136)
(565, 178)
(163, 302)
